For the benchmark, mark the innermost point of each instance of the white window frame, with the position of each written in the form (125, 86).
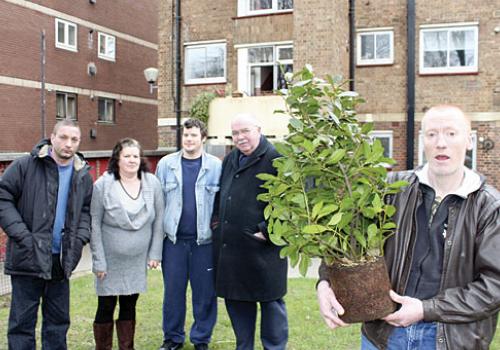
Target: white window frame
(106, 102)
(106, 56)
(66, 94)
(210, 80)
(245, 67)
(422, 161)
(389, 134)
(449, 28)
(375, 32)
(65, 45)
(244, 9)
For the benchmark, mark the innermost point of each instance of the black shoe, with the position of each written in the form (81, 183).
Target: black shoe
(170, 345)
(200, 346)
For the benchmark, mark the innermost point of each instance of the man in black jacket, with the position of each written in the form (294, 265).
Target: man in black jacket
(249, 269)
(443, 258)
(44, 210)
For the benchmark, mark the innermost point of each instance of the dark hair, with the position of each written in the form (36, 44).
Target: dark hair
(113, 167)
(196, 123)
(65, 122)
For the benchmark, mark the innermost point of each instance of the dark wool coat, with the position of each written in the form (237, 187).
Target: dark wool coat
(247, 268)
(28, 199)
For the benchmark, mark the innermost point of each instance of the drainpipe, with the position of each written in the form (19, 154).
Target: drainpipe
(352, 30)
(178, 69)
(410, 85)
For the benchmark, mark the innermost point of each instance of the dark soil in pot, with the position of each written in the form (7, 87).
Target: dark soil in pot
(363, 290)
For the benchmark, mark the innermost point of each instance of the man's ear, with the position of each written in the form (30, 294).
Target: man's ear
(469, 144)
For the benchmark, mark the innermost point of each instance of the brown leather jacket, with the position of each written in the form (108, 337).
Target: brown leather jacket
(466, 308)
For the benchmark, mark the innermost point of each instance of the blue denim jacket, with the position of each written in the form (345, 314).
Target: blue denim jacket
(169, 171)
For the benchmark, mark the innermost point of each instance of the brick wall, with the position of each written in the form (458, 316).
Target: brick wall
(19, 58)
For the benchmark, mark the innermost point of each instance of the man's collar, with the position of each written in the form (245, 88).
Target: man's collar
(470, 183)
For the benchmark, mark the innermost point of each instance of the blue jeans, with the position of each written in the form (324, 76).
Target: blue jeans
(26, 294)
(273, 323)
(418, 336)
(182, 262)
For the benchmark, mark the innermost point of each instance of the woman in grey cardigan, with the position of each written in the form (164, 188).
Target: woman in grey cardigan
(127, 208)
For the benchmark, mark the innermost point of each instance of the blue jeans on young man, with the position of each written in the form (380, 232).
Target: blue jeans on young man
(27, 292)
(418, 336)
(273, 323)
(182, 262)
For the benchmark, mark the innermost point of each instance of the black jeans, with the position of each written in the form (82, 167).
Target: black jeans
(106, 308)
(27, 292)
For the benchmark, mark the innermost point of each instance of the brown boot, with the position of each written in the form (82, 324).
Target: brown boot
(125, 331)
(103, 335)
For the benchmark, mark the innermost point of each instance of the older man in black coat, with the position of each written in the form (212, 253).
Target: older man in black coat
(249, 268)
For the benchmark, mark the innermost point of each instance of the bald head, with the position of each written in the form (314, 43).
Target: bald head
(448, 112)
(245, 118)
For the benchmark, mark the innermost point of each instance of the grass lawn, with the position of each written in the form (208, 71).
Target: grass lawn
(307, 330)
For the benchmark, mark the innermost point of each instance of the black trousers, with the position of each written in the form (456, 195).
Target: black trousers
(106, 308)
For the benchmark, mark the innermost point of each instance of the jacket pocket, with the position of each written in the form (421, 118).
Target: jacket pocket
(20, 255)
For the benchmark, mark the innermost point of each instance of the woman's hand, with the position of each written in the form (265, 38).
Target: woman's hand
(101, 275)
(153, 264)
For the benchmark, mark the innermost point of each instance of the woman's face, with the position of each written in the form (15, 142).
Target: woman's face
(130, 160)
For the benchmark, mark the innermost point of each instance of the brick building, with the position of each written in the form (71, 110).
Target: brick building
(95, 54)
(239, 45)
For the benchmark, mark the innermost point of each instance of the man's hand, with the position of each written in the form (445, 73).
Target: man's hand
(329, 307)
(411, 311)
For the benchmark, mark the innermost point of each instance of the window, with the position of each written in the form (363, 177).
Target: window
(375, 47)
(385, 137)
(470, 155)
(262, 68)
(205, 63)
(65, 106)
(256, 7)
(106, 47)
(106, 110)
(449, 49)
(66, 35)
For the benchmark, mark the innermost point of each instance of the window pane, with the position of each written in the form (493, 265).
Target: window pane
(386, 143)
(109, 110)
(285, 4)
(459, 58)
(260, 54)
(60, 32)
(261, 79)
(71, 106)
(101, 109)
(60, 101)
(102, 44)
(215, 61)
(435, 41)
(285, 53)
(435, 59)
(383, 46)
(195, 63)
(260, 5)
(110, 46)
(71, 35)
(367, 47)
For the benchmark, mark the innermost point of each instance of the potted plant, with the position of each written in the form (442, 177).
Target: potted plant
(327, 199)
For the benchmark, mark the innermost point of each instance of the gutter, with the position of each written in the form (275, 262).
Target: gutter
(410, 85)
(352, 32)
(178, 70)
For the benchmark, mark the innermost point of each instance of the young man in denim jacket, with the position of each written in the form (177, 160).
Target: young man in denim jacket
(190, 181)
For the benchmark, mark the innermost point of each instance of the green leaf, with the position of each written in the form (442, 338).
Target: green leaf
(390, 210)
(313, 229)
(335, 219)
(398, 184)
(266, 177)
(337, 156)
(304, 264)
(296, 124)
(317, 207)
(308, 145)
(377, 203)
(389, 226)
(327, 210)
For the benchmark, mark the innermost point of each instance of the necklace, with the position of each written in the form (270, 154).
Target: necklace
(128, 194)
